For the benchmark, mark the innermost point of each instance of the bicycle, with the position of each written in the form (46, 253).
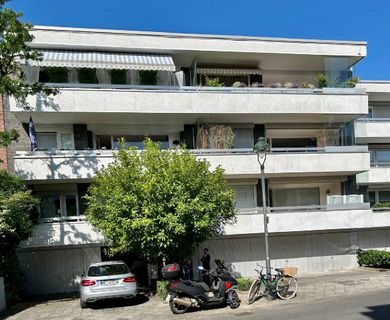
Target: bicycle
(283, 286)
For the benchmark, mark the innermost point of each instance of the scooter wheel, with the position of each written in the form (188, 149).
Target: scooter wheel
(233, 299)
(176, 308)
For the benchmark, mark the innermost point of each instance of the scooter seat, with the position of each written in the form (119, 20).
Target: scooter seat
(202, 285)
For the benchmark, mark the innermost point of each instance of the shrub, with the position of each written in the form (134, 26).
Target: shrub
(382, 205)
(118, 76)
(162, 289)
(374, 258)
(244, 284)
(322, 81)
(351, 83)
(213, 82)
(148, 77)
(87, 75)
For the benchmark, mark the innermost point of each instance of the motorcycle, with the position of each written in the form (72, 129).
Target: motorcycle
(221, 290)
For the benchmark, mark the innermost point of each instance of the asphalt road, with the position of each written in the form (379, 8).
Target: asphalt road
(375, 306)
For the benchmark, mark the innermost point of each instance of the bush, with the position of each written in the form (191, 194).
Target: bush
(213, 82)
(162, 289)
(244, 284)
(322, 81)
(148, 77)
(118, 76)
(87, 75)
(374, 258)
(382, 205)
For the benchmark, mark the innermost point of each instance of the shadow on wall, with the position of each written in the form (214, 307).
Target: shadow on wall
(46, 103)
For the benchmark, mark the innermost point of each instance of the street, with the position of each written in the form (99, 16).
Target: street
(374, 306)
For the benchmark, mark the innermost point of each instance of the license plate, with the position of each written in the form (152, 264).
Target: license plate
(109, 282)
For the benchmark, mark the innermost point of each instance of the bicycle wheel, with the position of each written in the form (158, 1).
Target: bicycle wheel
(286, 287)
(255, 291)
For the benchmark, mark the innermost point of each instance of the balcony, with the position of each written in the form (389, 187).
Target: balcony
(70, 231)
(373, 130)
(128, 103)
(281, 162)
(379, 172)
(310, 218)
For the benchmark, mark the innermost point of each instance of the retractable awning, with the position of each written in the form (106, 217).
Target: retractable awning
(105, 60)
(228, 72)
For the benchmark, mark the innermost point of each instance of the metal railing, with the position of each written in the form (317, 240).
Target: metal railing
(62, 219)
(251, 90)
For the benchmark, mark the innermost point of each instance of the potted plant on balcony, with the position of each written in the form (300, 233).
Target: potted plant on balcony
(213, 82)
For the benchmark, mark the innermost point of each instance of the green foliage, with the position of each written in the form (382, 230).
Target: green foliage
(162, 289)
(306, 85)
(14, 45)
(374, 258)
(148, 77)
(118, 76)
(7, 137)
(87, 75)
(382, 205)
(17, 207)
(213, 82)
(57, 74)
(351, 83)
(322, 81)
(244, 284)
(159, 203)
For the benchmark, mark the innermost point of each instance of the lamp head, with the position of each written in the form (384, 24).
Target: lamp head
(261, 146)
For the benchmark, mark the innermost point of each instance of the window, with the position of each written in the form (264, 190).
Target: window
(47, 140)
(296, 197)
(384, 196)
(243, 138)
(59, 205)
(245, 196)
(136, 141)
(66, 141)
(50, 206)
(107, 270)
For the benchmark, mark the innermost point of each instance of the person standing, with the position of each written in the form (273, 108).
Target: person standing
(206, 265)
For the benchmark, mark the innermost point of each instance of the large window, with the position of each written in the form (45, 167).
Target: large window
(243, 138)
(136, 141)
(295, 197)
(47, 140)
(245, 196)
(58, 205)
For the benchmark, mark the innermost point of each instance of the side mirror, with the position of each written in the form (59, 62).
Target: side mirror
(200, 268)
(82, 274)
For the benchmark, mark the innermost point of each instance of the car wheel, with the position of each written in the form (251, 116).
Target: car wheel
(83, 304)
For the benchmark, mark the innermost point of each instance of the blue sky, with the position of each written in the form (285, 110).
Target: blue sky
(360, 20)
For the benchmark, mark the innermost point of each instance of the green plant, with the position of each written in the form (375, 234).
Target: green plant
(148, 77)
(322, 81)
(57, 74)
(167, 201)
(87, 75)
(351, 83)
(162, 289)
(306, 85)
(381, 205)
(244, 284)
(118, 76)
(374, 258)
(213, 82)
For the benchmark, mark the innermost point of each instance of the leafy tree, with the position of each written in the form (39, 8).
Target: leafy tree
(159, 203)
(14, 47)
(17, 207)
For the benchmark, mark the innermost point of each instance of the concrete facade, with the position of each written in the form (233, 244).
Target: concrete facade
(312, 156)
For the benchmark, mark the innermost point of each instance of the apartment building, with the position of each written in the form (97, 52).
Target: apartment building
(179, 88)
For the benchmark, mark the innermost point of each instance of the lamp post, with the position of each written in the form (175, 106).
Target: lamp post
(261, 148)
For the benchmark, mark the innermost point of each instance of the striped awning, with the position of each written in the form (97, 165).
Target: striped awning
(105, 60)
(228, 72)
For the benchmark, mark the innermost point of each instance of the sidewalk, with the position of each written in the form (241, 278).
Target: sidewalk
(310, 287)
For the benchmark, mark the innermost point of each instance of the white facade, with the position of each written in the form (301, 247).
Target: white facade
(268, 88)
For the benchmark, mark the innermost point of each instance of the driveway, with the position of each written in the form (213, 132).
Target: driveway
(311, 288)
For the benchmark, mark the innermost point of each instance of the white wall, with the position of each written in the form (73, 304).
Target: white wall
(55, 271)
(3, 305)
(310, 252)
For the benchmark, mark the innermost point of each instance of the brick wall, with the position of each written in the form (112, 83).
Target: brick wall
(3, 151)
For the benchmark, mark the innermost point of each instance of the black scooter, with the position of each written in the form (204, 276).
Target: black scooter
(185, 294)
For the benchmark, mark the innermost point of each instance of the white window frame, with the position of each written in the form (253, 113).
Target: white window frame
(62, 196)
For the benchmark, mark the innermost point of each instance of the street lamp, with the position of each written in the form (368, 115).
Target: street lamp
(261, 148)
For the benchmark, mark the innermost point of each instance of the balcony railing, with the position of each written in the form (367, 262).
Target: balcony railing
(380, 158)
(252, 90)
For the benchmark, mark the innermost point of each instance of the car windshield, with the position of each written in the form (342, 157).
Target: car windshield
(107, 270)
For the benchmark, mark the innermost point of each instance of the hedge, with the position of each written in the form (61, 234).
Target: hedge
(162, 289)
(374, 258)
(244, 284)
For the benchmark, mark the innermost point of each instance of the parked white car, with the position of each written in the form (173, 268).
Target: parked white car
(107, 280)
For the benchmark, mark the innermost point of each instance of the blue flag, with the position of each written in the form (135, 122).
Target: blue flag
(33, 135)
